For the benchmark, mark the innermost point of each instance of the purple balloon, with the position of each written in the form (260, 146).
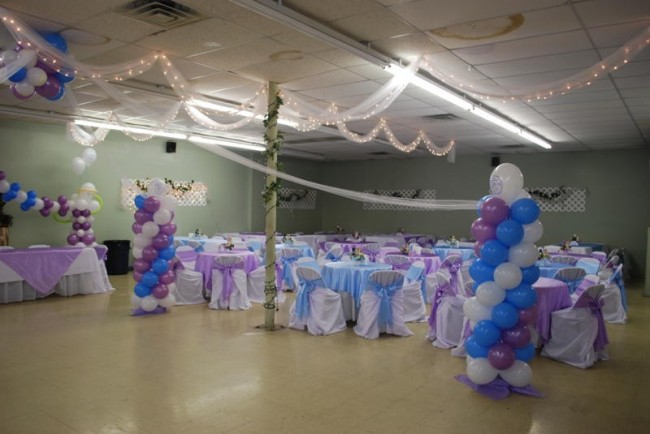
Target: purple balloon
(167, 277)
(45, 67)
(152, 204)
(168, 229)
(137, 276)
(76, 226)
(160, 241)
(19, 95)
(88, 239)
(63, 210)
(528, 316)
(47, 202)
(501, 356)
(45, 212)
(73, 239)
(85, 213)
(50, 89)
(483, 231)
(494, 210)
(3, 175)
(516, 337)
(62, 199)
(149, 253)
(141, 216)
(160, 291)
(136, 228)
(141, 265)
(76, 213)
(85, 226)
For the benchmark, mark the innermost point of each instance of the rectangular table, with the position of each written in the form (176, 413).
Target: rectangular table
(27, 274)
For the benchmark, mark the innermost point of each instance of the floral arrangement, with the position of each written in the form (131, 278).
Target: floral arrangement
(400, 230)
(453, 242)
(198, 233)
(357, 255)
(404, 250)
(543, 254)
(229, 245)
(339, 229)
(566, 246)
(287, 239)
(575, 238)
(356, 235)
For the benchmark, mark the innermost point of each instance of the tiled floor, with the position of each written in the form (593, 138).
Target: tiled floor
(83, 364)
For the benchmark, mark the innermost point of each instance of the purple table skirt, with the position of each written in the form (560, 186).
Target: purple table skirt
(205, 261)
(552, 295)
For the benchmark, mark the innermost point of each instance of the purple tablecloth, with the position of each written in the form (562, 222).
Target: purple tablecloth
(205, 260)
(552, 295)
(349, 245)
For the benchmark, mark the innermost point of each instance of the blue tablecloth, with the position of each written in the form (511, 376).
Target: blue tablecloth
(350, 277)
(302, 246)
(548, 269)
(465, 252)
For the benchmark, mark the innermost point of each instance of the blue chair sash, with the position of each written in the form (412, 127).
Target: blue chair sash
(618, 281)
(302, 298)
(385, 293)
(287, 277)
(332, 257)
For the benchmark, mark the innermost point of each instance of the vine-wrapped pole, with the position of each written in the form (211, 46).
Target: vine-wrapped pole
(273, 141)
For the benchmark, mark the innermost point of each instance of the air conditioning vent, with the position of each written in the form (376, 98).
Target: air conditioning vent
(441, 117)
(165, 14)
(379, 153)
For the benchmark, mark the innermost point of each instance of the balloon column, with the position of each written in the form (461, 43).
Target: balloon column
(503, 308)
(83, 205)
(154, 250)
(34, 75)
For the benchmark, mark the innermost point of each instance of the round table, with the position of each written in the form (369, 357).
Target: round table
(350, 277)
(552, 295)
(431, 263)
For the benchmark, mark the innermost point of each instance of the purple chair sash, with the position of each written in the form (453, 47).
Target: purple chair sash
(402, 266)
(226, 273)
(372, 256)
(441, 291)
(498, 388)
(595, 305)
(453, 272)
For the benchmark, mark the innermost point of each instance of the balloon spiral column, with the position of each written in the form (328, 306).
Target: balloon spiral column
(503, 309)
(154, 252)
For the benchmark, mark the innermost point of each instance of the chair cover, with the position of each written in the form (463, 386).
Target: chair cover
(187, 257)
(382, 306)
(590, 265)
(287, 259)
(229, 284)
(189, 287)
(196, 245)
(399, 262)
(446, 319)
(564, 259)
(333, 255)
(414, 306)
(254, 245)
(453, 265)
(578, 333)
(600, 256)
(385, 251)
(255, 286)
(552, 248)
(316, 307)
(614, 298)
(572, 276)
(371, 250)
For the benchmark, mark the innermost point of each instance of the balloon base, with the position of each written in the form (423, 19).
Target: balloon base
(498, 388)
(141, 312)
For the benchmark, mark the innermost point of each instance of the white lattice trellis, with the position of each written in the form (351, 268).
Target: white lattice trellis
(296, 200)
(569, 199)
(196, 196)
(409, 193)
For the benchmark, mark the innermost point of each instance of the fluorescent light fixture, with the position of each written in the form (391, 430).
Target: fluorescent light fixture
(134, 130)
(225, 142)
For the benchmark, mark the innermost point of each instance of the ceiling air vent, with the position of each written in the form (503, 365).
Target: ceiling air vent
(161, 13)
(511, 147)
(379, 153)
(441, 117)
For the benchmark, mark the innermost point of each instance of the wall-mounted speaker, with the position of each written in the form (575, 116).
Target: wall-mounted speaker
(495, 161)
(170, 147)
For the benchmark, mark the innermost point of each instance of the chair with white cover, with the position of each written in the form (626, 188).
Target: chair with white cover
(382, 306)
(572, 276)
(399, 262)
(187, 256)
(609, 267)
(229, 284)
(446, 320)
(39, 246)
(414, 307)
(453, 265)
(196, 245)
(600, 256)
(614, 298)
(552, 248)
(564, 259)
(316, 307)
(578, 334)
(590, 265)
(327, 247)
(255, 285)
(287, 258)
(371, 250)
(385, 251)
(189, 287)
(333, 255)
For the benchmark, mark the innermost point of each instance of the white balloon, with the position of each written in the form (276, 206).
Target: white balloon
(90, 218)
(135, 301)
(141, 241)
(480, 371)
(137, 252)
(4, 186)
(89, 155)
(38, 205)
(81, 219)
(93, 205)
(533, 231)
(74, 196)
(168, 202)
(150, 229)
(80, 244)
(56, 206)
(81, 233)
(157, 187)
(149, 303)
(36, 77)
(90, 231)
(507, 275)
(24, 88)
(72, 204)
(21, 196)
(30, 55)
(162, 217)
(475, 310)
(523, 194)
(518, 375)
(8, 56)
(523, 254)
(169, 301)
(506, 182)
(490, 294)
(82, 204)
(78, 165)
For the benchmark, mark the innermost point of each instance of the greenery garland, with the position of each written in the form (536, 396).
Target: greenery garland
(182, 187)
(272, 150)
(398, 194)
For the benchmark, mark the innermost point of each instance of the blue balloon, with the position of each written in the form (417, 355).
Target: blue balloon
(18, 75)
(25, 206)
(141, 290)
(486, 333)
(474, 349)
(494, 253)
(64, 78)
(525, 354)
(530, 274)
(522, 297)
(160, 266)
(139, 201)
(56, 41)
(171, 240)
(168, 253)
(59, 95)
(481, 271)
(149, 279)
(31, 194)
(510, 232)
(480, 202)
(505, 315)
(10, 195)
(525, 211)
(14, 187)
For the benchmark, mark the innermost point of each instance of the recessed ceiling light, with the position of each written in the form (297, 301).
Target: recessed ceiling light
(286, 55)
